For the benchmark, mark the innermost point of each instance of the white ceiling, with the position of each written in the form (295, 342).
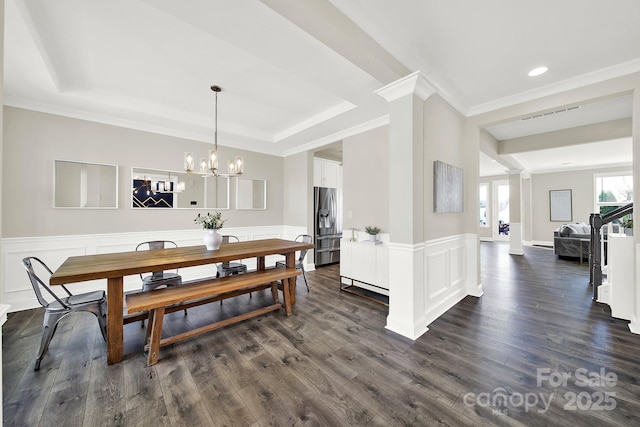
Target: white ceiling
(595, 154)
(298, 76)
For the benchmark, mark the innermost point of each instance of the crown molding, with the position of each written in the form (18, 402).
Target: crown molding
(414, 83)
(329, 139)
(329, 114)
(228, 140)
(587, 79)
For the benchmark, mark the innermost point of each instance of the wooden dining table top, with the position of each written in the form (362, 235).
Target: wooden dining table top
(110, 265)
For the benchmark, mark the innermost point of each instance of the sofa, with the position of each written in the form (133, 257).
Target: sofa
(572, 240)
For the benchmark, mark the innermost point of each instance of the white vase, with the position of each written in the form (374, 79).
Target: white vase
(212, 239)
(372, 237)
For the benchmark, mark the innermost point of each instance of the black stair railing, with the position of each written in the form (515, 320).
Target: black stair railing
(595, 256)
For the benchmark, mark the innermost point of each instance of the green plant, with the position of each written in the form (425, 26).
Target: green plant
(627, 222)
(210, 221)
(607, 196)
(372, 229)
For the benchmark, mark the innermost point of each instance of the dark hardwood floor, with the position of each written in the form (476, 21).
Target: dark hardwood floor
(332, 363)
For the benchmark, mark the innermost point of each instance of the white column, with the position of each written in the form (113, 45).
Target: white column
(4, 308)
(515, 212)
(406, 204)
(634, 325)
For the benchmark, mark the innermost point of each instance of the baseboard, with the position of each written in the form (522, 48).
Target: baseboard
(542, 243)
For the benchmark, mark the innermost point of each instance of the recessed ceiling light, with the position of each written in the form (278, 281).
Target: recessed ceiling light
(538, 71)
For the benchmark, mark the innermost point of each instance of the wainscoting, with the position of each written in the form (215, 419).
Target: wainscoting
(54, 250)
(428, 279)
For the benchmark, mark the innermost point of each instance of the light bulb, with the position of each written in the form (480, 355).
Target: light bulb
(188, 161)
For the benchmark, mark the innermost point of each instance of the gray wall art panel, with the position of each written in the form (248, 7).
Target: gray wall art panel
(448, 191)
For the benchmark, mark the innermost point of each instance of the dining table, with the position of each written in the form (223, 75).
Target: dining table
(115, 266)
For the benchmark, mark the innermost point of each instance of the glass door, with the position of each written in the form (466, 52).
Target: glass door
(501, 210)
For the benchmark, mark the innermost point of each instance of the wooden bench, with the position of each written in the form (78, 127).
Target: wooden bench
(159, 301)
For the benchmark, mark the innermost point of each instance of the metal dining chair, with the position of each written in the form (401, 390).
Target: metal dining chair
(229, 268)
(56, 309)
(303, 238)
(159, 279)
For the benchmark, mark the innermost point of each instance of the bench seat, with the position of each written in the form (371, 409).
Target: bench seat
(158, 302)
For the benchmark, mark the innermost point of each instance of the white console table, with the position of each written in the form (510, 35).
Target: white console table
(364, 265)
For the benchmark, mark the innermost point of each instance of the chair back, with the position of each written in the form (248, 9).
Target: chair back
(229, 238)
(31, 264)
(153, 245)
(303, 238)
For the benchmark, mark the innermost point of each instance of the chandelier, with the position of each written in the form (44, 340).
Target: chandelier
(209, 166)
(148, 186)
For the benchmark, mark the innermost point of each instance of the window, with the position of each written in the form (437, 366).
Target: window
(484, 210)
(613, 191)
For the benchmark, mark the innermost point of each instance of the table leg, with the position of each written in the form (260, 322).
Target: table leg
(115, 306)
(286, 296)
(290, 260)
(156, 335)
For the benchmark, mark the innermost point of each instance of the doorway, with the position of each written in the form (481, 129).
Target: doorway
(501, 210)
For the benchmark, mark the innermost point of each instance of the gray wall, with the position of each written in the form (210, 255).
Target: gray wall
(365, 177)
(366, 172)
(537, 226)
(298, 182)
(32, 140)
(444, 139)
(581, 184)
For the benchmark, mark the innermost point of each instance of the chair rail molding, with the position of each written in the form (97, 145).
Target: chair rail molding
(16, 289)
(427, 279)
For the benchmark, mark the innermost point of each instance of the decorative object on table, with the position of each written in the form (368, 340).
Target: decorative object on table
(209, 166)
(353, 235)
(373, 231)
(627, 225)
(211, 223)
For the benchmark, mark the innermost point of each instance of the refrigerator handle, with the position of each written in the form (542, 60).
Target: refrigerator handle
(333, 213)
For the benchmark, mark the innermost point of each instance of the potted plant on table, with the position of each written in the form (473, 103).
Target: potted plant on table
(211, 223)
(627, 224)
(373, 231)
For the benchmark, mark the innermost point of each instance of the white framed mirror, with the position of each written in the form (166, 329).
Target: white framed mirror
(79, 185)
(251, 194)
(154, 188)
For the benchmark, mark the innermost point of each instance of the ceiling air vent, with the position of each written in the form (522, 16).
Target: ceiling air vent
(551, 113)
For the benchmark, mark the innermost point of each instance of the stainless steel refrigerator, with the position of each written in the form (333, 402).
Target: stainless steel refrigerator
(328, 225)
